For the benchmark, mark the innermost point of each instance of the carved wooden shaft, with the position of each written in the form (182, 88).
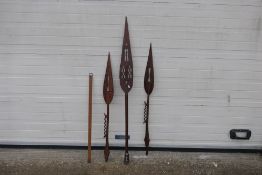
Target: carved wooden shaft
(126, 159)
(147, 140)
(107, 151)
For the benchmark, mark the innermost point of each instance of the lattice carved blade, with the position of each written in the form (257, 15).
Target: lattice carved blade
(149, 73)
(126, 66)
(108, 88)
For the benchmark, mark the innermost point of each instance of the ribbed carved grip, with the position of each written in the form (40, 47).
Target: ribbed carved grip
(145, 112)
(105, 125)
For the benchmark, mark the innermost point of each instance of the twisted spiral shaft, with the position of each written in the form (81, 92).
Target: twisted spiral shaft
(145, 112)
(105, 125)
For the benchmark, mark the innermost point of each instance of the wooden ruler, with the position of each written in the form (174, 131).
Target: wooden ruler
(90, 116)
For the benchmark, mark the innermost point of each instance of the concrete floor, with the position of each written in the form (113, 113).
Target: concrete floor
(74, 162)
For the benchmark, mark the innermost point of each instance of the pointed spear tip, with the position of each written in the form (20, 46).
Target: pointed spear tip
(109, 56)
(126, 31)
(126, 23)
(150, 49)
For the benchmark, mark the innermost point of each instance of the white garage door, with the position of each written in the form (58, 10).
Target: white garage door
(207, 60)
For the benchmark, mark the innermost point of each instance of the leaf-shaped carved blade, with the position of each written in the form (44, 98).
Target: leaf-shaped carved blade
(149, 73)
(126, 66)
(108, 88)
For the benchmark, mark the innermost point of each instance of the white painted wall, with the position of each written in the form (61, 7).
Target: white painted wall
(207, 59)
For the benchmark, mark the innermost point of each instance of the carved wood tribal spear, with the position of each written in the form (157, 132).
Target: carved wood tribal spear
(148, 86)
(126, 80)
(108, 93)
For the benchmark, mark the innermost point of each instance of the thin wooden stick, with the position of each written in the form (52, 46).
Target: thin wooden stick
(90, 116)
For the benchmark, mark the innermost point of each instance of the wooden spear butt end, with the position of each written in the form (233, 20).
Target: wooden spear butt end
(147, 140)
(126, 158)
(106, 154)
